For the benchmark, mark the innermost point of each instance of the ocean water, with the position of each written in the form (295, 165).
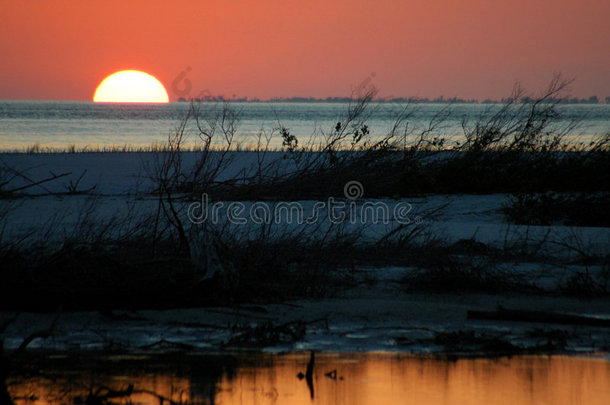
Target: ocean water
(55, 124)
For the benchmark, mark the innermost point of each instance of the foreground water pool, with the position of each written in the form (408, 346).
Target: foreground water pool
(361, 378)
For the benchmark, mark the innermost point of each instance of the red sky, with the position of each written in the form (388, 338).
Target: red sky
(61, 50)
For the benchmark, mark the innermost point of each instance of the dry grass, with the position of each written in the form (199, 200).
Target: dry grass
(158, 262)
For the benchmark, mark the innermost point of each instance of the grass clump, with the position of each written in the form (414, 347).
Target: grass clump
(168, 259)
(453, 274)
(468, 340)
(552, 208)
(588, 283)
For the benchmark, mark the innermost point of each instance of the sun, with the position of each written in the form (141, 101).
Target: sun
(130, 86)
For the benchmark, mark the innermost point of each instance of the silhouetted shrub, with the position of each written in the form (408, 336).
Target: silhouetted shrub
(566, 209)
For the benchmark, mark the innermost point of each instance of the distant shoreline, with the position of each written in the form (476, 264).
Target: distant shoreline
(324, 100)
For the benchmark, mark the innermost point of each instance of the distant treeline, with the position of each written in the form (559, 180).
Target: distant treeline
(441, 99)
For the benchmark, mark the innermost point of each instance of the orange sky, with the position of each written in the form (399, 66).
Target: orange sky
(61, 50)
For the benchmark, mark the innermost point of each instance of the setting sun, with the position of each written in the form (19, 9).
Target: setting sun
(130, 86)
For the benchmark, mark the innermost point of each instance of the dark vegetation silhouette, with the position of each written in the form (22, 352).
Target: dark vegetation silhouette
(523, 147)
(91, 379)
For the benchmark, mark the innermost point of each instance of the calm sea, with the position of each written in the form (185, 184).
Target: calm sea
(60, 124)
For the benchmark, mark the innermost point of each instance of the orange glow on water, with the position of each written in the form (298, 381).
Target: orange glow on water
(360, 379)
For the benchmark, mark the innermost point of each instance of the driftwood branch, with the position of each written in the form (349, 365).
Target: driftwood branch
(43, 334)
(6, 323)
(523, 315)
(37, 183)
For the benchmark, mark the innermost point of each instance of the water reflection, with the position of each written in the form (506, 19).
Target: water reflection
(336, 378)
